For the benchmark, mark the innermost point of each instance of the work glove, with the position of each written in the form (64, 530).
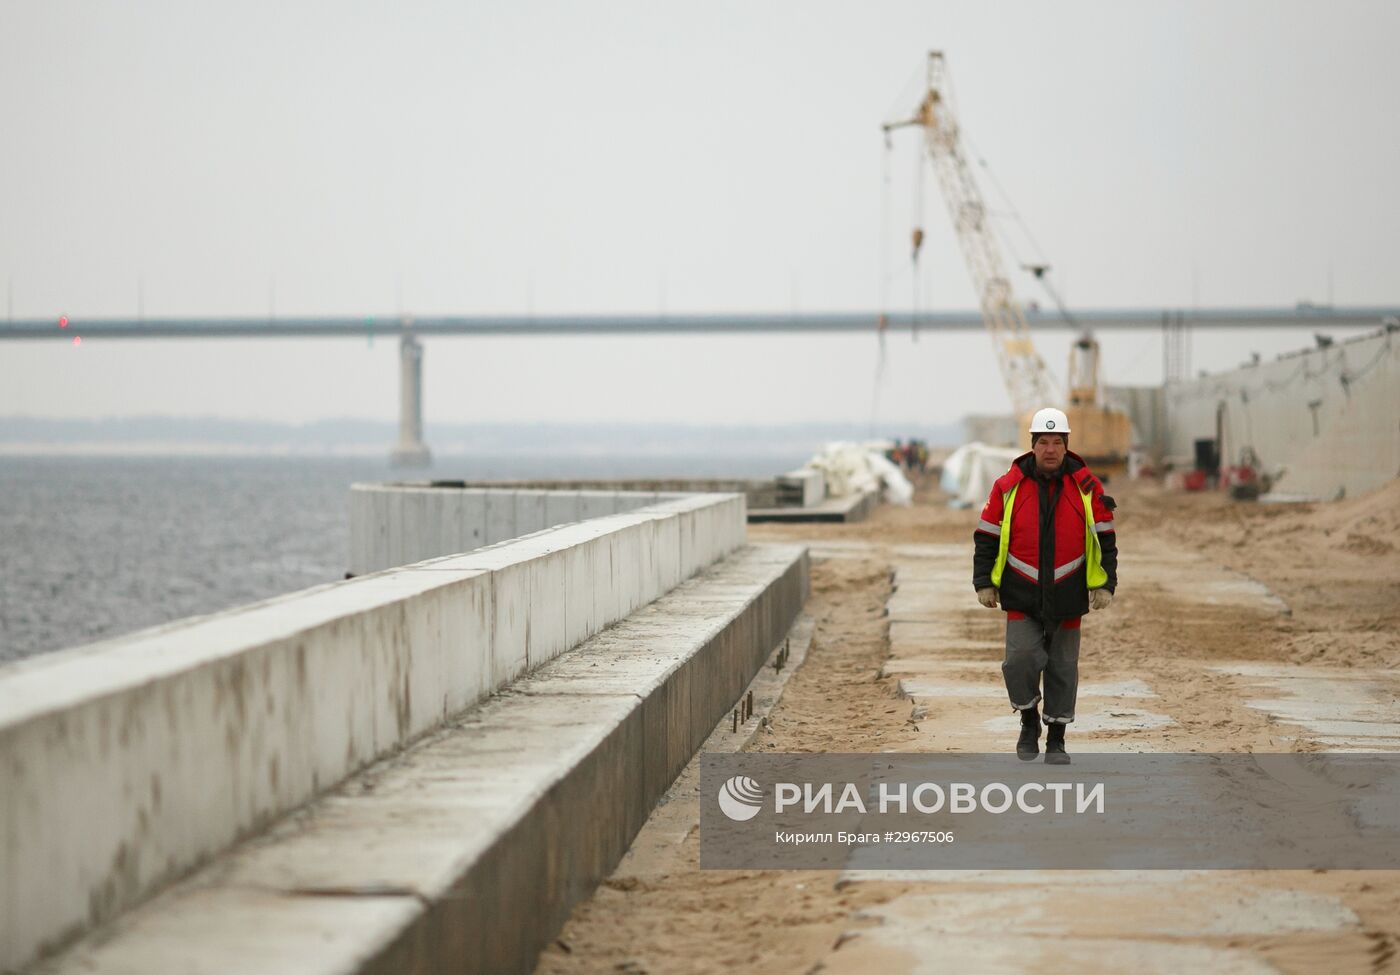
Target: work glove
(988, 597)
(1100, 599)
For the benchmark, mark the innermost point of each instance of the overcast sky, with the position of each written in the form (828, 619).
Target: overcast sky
(457, 157)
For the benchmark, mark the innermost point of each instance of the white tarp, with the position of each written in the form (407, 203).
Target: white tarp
(851, 468)
(898, 490)
(970, 471)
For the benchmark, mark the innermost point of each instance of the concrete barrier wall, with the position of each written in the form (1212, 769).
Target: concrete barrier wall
(399, 524)
(465, 852)
(1330, 416)
(760, 492)
(1146, 408)
(690, 657)
(125, 764)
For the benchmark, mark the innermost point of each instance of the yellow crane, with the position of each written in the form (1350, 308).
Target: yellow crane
(1101, 435)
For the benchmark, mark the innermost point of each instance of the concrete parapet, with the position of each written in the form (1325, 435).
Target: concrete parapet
(127, 763)
(761, 492)
(466, 852)
(399, 524)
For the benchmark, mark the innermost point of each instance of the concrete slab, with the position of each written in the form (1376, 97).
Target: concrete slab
(925, 688)
(1357, 743)
(1142, 921)
(1137, 906)
(855, 507)
(1112, 719)
(1298, 672)
(1311, 712)
(954, 554)
(932, 638)
(1348, 708)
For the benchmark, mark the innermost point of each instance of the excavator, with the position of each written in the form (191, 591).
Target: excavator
(1101, 434)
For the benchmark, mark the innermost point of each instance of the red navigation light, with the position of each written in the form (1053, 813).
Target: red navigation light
(62, 321)
(77, 340)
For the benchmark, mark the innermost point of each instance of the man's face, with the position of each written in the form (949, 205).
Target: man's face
(1049, 450)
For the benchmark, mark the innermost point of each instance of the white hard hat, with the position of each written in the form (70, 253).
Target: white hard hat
(1049, 420)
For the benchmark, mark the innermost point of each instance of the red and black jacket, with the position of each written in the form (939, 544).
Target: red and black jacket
(1045, 574)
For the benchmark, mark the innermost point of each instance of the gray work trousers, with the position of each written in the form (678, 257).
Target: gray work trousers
(1034, 648)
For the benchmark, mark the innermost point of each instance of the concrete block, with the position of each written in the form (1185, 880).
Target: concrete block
(511, 623)
(666, 556)
(561, 507)
(362, 521)
(529, 511)
(687, 534)
(430, 525)
(808, 483)
(500, 516)
(572, 546)
(617, 562)
(625, 501)
(394, 540)
(473, 519)
(581, 586)
(443, 530)
(510, 567)
(380, 538)
(449, 637)
(635, 560)
(595, 504)
(548, 625)
(608, 600)
(432, 536)
(413, 506)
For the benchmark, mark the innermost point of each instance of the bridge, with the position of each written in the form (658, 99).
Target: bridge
(1175, 325)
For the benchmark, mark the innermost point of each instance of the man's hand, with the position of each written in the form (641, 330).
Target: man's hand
(1100, 599)
(988, 597)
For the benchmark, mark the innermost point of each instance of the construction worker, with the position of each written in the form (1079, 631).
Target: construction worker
(1045, 549)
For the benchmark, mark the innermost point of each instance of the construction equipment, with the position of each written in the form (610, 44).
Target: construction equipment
(1102, 435)
(1247, 480)
(1106, 433)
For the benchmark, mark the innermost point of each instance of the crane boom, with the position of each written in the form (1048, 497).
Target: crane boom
(1022, 369)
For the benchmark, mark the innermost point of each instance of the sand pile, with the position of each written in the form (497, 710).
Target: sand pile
(1368, 525)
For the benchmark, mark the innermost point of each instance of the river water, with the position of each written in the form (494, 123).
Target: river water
(94, 547)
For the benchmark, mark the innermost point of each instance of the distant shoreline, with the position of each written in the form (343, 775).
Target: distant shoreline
(170, 436)
(161, 448)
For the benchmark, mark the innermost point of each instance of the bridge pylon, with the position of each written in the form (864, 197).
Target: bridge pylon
(410, 451)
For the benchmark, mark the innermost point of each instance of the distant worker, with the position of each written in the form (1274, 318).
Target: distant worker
(1046, 549)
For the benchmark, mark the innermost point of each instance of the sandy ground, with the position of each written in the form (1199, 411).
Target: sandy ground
(1224, 611)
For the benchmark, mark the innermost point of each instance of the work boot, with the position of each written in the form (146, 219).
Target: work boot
(1028, 745)
(1055, 745)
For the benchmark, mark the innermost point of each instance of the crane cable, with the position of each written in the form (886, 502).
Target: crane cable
(916, 244)
(883, 324)
(1039, 265)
